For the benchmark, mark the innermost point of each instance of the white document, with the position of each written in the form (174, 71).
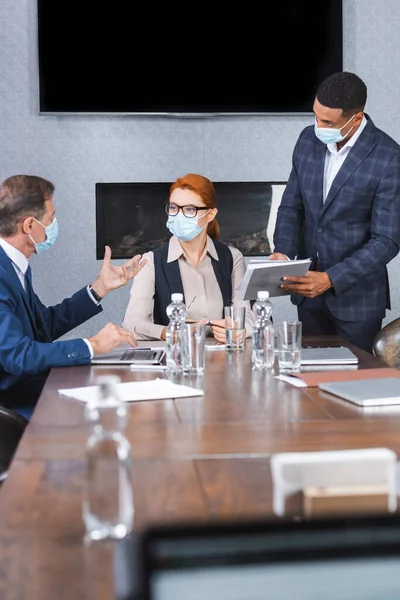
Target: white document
(148, 367)
(292, 380)
(136, 391)
(266, 274)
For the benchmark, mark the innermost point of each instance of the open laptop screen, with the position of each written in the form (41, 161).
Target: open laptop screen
(340, 559)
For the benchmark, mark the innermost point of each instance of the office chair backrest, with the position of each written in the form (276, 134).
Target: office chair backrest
(12, 426)
(387, 344)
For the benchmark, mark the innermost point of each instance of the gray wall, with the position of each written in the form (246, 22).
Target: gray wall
(77, 152)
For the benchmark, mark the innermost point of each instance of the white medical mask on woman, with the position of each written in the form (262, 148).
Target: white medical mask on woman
(331, 135)
(185, 228)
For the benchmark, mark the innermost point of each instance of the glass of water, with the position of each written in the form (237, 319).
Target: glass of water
(289, 345)
(194, 348)
(235, 318)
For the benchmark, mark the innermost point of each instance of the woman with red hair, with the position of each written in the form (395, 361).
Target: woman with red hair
(192, 262)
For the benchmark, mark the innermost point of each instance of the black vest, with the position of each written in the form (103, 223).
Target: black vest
(168, 279)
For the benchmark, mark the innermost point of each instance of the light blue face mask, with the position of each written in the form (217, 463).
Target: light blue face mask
(185, 228)
(51, 236)
(331, 135)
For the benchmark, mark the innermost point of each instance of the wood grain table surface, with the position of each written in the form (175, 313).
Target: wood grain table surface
(199, 458)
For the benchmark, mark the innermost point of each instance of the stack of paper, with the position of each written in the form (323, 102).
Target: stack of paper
(136, 391)
(267, 275)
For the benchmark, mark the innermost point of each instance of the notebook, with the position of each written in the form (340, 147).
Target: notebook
(340, 355)
(366, 392)
(131, 356)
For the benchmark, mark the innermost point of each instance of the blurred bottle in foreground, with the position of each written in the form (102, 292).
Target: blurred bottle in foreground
(108, 508)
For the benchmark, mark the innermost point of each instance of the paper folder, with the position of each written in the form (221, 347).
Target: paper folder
(314, 378)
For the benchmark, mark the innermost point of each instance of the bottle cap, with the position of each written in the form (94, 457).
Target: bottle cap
(108, 385)
(263, 295)
(176, 297)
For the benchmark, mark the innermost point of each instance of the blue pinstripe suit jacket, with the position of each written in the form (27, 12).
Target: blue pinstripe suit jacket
(356, 231)
(28, 328)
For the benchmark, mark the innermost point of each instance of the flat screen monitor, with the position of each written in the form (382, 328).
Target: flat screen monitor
(340, 558)
(124, 58)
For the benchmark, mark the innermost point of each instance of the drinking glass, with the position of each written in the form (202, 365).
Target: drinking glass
(194, 348)
(289, 345)
(235, 318)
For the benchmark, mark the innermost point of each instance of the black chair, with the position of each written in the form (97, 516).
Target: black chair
(387, 344)
(12, 426)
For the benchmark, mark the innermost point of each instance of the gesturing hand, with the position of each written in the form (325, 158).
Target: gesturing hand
(112, 276)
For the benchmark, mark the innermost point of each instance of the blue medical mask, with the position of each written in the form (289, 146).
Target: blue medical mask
(51, 236)
(185, 228)
(331, 135)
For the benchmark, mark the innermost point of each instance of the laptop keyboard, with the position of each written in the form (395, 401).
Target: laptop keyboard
(138, 354)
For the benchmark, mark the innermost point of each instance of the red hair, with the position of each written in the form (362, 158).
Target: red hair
(204, 188)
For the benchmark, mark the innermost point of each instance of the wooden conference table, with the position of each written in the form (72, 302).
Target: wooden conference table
(200, 458)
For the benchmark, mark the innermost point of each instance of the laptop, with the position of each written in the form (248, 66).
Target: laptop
(383, 391)
(137, 355)
(355, 558)
(340, 355)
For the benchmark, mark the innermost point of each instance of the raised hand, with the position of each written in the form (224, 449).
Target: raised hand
(110, 337)
(112, 276)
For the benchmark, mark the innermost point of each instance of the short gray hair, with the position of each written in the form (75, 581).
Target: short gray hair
(22, 196)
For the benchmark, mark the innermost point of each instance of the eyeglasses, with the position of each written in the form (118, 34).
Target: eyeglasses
(188, 211)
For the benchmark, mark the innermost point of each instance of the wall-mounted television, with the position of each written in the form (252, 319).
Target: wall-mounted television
(124, 58)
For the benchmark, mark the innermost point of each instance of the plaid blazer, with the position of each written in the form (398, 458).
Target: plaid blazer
(356, 231)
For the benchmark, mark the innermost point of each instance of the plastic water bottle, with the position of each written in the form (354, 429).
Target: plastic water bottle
(263, 349)
(175, 341)
(108, 508)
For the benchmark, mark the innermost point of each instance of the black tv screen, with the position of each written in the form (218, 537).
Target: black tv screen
(190, 60)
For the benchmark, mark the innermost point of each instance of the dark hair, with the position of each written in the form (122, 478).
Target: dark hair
(343, 90)
(204, 188)
(22, 196)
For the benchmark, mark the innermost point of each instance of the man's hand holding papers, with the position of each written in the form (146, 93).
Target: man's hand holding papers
(311, 285)
(266, 274)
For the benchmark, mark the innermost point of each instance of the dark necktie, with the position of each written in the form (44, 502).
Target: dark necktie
(29, 288)
(38, 324)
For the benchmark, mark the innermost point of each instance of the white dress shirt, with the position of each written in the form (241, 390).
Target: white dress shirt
(335, 158)
(19, 260)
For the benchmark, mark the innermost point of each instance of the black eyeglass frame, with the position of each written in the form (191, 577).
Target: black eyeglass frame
(181, 208)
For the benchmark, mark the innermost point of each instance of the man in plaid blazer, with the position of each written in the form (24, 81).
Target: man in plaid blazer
(341, 207)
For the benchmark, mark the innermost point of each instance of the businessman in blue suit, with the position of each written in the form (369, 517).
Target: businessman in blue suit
(28, 329)
(341, 206)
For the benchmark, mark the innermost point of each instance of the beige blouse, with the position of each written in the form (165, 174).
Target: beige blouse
(199, 283)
